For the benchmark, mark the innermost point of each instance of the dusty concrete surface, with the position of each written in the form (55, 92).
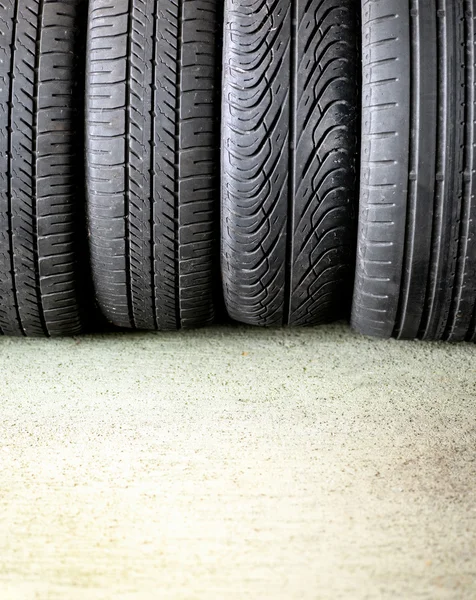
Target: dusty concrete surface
(235, 464)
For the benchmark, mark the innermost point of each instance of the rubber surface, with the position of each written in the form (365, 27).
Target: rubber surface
(416, 265)
(151, 145)
(40, 109)
(289, 135)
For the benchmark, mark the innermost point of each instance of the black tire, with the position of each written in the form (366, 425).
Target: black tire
(151, 154)
(289, 129)
(40, 206)
(416, 265)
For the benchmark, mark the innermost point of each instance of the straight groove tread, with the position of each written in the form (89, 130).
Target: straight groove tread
(39, 112)
(151, 79)
(415, 272)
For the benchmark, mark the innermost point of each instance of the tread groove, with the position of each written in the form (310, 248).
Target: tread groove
(293, 105)
(34, 170)
(127, 167)
(178, 87)
(10, 155)
(153, 159)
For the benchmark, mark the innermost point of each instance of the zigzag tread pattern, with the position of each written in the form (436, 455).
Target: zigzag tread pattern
(289, 160)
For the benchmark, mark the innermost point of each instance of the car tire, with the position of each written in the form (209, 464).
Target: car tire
(289, 160)
(151, 160)
(41, 208)
(416, 268)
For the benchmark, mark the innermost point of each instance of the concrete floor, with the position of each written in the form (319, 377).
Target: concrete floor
(237, 463)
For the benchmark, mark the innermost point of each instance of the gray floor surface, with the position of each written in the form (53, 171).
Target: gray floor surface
(233, 463)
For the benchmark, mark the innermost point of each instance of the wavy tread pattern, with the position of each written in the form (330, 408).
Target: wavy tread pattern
(150, 168)
(39, 112)
(289, 159)
(415, 274)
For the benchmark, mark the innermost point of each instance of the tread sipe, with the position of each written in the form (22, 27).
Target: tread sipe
(151, 157)
(289, 130)
(416, 264)
(40, 109)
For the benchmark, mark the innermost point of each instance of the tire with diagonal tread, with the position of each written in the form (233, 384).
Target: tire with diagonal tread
(289, 154)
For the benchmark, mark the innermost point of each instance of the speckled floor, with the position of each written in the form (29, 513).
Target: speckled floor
(234, 463)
